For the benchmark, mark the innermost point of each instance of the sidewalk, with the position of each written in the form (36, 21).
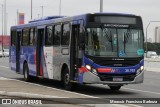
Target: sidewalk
(19, 89)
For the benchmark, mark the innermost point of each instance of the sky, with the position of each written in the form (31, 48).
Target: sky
(149, 10)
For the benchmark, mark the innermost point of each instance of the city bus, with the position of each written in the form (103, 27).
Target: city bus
(93, 48)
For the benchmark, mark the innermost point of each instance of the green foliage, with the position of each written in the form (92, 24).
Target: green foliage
(152, 47)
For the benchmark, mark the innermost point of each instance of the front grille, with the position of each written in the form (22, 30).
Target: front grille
(109, 77)
(112, 62)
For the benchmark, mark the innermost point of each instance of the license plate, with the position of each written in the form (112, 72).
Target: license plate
(117, 79)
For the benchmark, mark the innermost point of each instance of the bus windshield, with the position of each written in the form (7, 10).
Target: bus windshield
(114, 42)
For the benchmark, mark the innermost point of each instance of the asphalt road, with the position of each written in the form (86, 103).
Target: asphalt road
(149, 89)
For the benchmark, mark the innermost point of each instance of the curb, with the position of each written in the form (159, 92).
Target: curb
(27, 95)
(59, 100)
(31, 95)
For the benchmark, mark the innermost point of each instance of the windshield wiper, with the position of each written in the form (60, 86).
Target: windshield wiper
(124, 42)
(109, 38)
(126, 38)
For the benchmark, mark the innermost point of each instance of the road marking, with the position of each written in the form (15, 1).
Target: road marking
(141, 91)
(4, 66)
(28, 95)
(132, 105)
(3, 78)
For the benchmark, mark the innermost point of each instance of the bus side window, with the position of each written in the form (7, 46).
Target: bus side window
(66, 34)
(13, 38)
(25, 37)
(32, 37)
(48, 37)
(35, 37)
(57, 35)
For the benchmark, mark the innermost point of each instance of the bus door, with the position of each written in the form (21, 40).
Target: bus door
(74, 62)
(18, 40)
(39, 52)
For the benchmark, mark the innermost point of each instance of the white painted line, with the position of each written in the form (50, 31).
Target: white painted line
(132, 105)
(141, 90)
(2, 78)
(125, 105)
(4, 66)
(28, 95)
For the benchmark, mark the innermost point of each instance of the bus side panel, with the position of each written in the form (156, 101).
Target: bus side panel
(28, 54)
(13, 58)
(31, 61)
(21, 60)
(57, 62)
(48, 62)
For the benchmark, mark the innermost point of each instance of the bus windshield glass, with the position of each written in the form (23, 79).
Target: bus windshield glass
(114, 42)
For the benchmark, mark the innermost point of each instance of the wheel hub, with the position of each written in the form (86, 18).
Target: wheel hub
(66, 78)
(25, 71)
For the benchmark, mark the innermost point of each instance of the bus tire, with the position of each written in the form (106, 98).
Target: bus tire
(115, 88)
(26, 73)
(66, 81)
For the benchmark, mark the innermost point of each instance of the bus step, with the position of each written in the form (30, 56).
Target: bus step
(41, 77)
(18, 72)
(73, 81)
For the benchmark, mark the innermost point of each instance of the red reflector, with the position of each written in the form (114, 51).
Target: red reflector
(103, 70)
(82, 69)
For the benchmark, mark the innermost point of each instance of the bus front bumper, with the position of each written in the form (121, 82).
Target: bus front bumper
(90, 78)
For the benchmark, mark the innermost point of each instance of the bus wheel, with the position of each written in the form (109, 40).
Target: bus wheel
(26, 72)
(66, 81)
(115, 88)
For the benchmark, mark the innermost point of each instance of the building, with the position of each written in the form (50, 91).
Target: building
(6, 41)
(157, 34)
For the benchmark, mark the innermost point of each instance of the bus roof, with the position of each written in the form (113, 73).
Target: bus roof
(125, 14)
(56, 19)
(45, 18)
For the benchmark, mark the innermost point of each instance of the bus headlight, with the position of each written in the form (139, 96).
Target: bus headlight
(142, 67)
(88, 67)
(94, 71)
(140, 70)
